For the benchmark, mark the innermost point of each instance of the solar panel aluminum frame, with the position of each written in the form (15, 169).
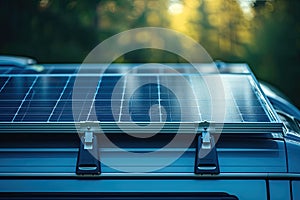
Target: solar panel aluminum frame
(112, 127)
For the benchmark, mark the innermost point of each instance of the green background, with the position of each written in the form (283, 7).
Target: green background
(264, 34)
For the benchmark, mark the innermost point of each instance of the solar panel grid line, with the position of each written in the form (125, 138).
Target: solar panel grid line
(236, 106)
(241, 96)
(202, 101)
(198, 107)
(23, 100)
(161, 71)
(159, 99)
(88, 101)
(82, 116)
(170, 108)
(61, 112)
(164, 106)
(94, 97)
(61, 94)
(122, 98)
(255, 91)
(27, 109)
(8, 79)
(53, 84)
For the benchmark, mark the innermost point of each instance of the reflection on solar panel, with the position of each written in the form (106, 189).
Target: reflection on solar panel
(47, 97)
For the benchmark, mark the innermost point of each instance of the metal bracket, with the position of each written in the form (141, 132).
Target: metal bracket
(206, 161)
(88, 140)
(206, 140)
(88, 156)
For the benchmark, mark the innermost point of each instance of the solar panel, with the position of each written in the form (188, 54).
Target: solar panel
(48, 96)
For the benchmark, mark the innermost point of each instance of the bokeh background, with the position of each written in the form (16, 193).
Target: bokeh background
(264, 34)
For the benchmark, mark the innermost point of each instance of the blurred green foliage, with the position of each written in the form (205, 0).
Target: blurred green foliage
(265, 34)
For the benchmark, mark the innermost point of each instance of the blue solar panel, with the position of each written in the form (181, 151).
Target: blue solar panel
(48, 97)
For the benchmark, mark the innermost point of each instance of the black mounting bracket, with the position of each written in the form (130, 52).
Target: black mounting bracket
(206, 161)
(88, 159)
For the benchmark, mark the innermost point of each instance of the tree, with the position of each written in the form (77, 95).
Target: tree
(275, 49)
